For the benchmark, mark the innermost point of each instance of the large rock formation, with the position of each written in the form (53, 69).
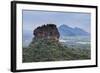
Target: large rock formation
(46, 47)
(48, 32)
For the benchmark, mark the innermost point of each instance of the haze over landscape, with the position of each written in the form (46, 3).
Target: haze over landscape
(68, 23)
(56, 36)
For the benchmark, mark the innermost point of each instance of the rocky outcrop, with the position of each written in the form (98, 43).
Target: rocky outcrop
(43, 49)
(48, 31)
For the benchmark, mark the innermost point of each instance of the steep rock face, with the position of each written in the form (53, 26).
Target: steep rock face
(49, 32)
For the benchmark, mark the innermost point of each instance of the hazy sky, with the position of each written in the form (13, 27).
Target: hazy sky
(33, 19)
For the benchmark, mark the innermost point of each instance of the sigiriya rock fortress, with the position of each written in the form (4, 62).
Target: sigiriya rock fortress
(48, 32)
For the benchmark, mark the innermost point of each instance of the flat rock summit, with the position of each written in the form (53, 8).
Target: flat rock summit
(48, 32)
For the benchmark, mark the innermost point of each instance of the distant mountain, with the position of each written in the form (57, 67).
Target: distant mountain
(65, 30)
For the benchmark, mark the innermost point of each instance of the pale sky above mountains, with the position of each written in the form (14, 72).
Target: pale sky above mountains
(33, 19)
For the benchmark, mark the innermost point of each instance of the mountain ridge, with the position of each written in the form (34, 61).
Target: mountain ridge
(65, 30)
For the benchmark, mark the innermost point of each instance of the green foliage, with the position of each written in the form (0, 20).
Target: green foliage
(48, 50)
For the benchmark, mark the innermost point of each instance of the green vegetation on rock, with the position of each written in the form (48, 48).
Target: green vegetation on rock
(41, 50)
